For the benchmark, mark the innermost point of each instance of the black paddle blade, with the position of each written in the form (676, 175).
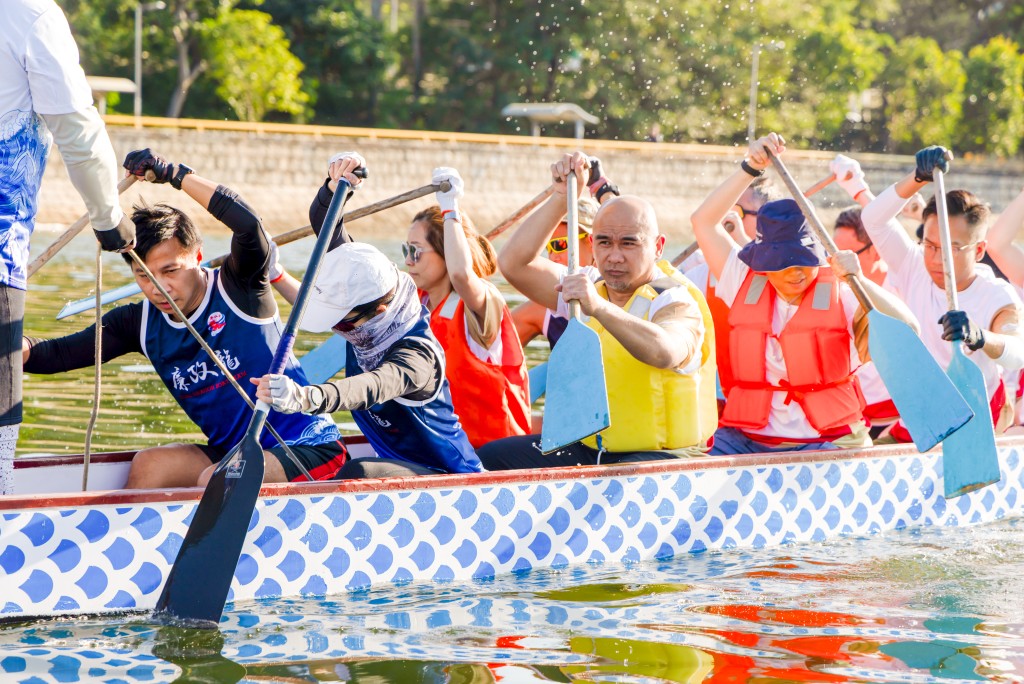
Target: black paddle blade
(198, 583)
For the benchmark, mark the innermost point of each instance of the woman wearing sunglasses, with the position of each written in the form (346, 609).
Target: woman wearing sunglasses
(394, 383)
(531, 318)
(450, 263)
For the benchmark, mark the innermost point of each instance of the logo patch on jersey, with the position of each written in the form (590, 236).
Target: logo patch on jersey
(216, 322)
(379, 421)
(235, 469)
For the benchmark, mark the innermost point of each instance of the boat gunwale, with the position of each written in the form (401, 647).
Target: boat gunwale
(440, 481)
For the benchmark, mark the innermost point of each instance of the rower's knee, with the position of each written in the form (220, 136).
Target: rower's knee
(147, 470)
(204, 477)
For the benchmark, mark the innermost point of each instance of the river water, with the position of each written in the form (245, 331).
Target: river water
(911, 606)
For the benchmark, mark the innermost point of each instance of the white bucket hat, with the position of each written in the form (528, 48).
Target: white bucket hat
(352, 274)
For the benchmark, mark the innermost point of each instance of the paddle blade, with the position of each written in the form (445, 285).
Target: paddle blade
(969, 457)
(325, 361)
(929, 403)
(577, 397)
(198, 583)
(538, 381)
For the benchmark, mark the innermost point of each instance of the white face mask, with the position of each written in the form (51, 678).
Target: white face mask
(371, 340)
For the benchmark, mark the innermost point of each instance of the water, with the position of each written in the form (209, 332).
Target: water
(912, 606)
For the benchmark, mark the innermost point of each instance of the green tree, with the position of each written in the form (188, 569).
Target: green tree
(993, 109)
(922, 89)
(249, 57)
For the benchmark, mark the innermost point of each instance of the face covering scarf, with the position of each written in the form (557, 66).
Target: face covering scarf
(371, 340)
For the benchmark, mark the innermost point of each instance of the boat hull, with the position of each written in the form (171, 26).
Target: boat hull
(108, 552)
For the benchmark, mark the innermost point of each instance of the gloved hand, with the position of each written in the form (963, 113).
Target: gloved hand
(928, 159)
(276, 269)
(849, 175)
(348, 165)
(140, 161)
(120, 238)
(596, 177)
(286, 395)
(448, 201)
(956, 325)
(844, 263)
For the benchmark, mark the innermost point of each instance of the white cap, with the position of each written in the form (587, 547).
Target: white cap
(352, 274)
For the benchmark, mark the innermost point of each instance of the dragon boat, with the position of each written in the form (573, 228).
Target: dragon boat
(109, 550)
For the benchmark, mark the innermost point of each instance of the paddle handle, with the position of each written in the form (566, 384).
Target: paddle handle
(519, 213)
(948, 275)
(73, 230)
(685, 254)
(819, 229)
(572, 227)
(820, 185)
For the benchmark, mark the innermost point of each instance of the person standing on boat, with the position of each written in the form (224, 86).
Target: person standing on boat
(395, 384)
(798, 333)
(656, 336)
(44, 98)
(989, 319)
(232, 307)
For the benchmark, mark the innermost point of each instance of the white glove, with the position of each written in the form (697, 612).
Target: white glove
(276, 269)
(341, 155)
(849, 175)
(448, 201)
(288, 396)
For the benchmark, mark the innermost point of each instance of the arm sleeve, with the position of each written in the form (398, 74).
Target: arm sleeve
(56, 80)
(121, 328)
(245, 270)
(410, 370)
(318, 214)
(886, 233)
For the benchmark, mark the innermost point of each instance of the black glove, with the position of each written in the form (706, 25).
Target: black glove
(928, 159)
(595, 170)
(120, 238)
(141, 161)
(957, 326)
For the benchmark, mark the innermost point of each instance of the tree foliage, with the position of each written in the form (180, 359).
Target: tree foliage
(993, 118)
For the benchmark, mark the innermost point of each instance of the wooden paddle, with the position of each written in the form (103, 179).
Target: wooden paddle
(929, 404)
(577, 403)
(198, 583)
(519, 213)
(813, 190)
(969, 457)
(130, 289)
(73, 230)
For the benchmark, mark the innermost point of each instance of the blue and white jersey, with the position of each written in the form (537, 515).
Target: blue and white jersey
(246, 346)
(39, 74)
(424, 432)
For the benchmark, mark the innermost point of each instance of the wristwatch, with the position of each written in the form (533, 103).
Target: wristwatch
(180, 176)
(316, 396)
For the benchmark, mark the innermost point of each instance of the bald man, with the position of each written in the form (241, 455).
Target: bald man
(657, 340)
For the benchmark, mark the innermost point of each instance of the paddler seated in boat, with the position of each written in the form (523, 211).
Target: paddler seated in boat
(394, 382)
(657, 341)
(989, 318)
(798, 333)
(232, 307)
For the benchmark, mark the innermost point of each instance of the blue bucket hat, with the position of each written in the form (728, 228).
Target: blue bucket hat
(783, 240)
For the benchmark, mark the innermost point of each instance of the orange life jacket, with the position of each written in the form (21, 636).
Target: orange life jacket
(720, 317)
(816, 350)
(491, 399)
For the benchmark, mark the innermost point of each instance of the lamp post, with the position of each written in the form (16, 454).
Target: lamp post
(139, 9)
(754, 59)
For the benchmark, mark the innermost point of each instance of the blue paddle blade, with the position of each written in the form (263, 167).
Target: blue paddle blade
(538, 381)
(325, 361)
(969, 457)
(577, 397)
(198, 584)
(928, 401)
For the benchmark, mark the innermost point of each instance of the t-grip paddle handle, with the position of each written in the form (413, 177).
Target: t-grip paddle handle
(819, 229)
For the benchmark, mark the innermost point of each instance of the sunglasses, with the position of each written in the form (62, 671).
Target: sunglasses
(743, 211)
(412, 253)
(559, 245)
(348, 323)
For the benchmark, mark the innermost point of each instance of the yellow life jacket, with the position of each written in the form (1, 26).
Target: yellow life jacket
(654, 409)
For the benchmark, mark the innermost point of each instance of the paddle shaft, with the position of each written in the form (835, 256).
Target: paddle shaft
(72, 231)
(948, 274)
(519, 213)
(819, 229)
(814, 189)
(572, 222)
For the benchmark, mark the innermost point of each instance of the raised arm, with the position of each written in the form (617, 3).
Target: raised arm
(715, 242)
(520, 258)
(341, 165)
(458, 253)
(1009, 257)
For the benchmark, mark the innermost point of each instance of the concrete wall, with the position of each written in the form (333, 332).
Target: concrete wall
(279, 168)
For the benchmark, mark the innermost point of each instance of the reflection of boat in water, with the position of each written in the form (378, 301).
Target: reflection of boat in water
(109, 551)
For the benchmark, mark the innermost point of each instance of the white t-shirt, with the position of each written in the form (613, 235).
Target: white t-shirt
(672, 295)
(39, 74)
(691, 262)
(784, 420)
(911, 281)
